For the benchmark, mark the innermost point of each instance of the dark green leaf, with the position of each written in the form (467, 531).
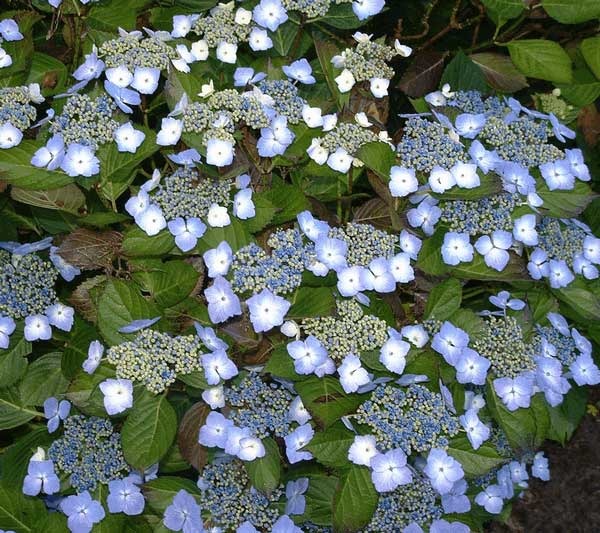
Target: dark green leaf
(590, 49)
(148, 431)
(501, 11)
(500, 72)
(119, 305)
(13, 412)
(444, 300)
(379, 157)
(330, 447)
(463, 74)
(44, 379)
(474, 462)
(264, 472)
(326, 400)
(355, 500)
(309, 302)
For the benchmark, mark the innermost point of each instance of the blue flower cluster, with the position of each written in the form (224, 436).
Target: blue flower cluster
(414, 419)
(27, 292)
(89, 452)
(228, 496)
(520, 364)
(261, 407)
(476, 187)
(253, 270)
(512, 147)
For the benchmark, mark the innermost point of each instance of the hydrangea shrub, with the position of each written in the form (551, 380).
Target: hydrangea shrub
(244, 287)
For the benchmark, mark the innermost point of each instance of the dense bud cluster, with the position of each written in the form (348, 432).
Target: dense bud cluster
(230, 499)
(26, 285)
(350, 331)
(259, 406)
(132, 51)
(156, 359)
(186, 193)
(89, 452)
(414, 419)
(86, 120)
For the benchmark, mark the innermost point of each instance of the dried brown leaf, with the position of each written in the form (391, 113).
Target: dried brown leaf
(90, 250)
(85, 297)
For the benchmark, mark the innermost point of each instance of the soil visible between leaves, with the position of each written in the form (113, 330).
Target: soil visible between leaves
(570, 501)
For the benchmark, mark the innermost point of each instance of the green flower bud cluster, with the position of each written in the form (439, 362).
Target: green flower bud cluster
(553, 103)
(407, 504)
(245, 108)
(86, 121)
(365, 243)
(26, 285)
(502, 342)
(156, 359)
(349, 332)
(218, 133)
(228, 495)
(131, 52)
(253, 269)
(186, 193)
(482, 216)
(220, 26)
(16, 108)
(413, 419)
(311, 8)
(368, 59)
(197, 117)
(522, 141)
(348, 136)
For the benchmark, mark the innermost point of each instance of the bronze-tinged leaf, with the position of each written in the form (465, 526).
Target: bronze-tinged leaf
(90, 250)
(423, 75)
(500, 72)
(589, 122)
(375, 212)
(187, 436)
(85, 297)
(259, 356)
(242, 333)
